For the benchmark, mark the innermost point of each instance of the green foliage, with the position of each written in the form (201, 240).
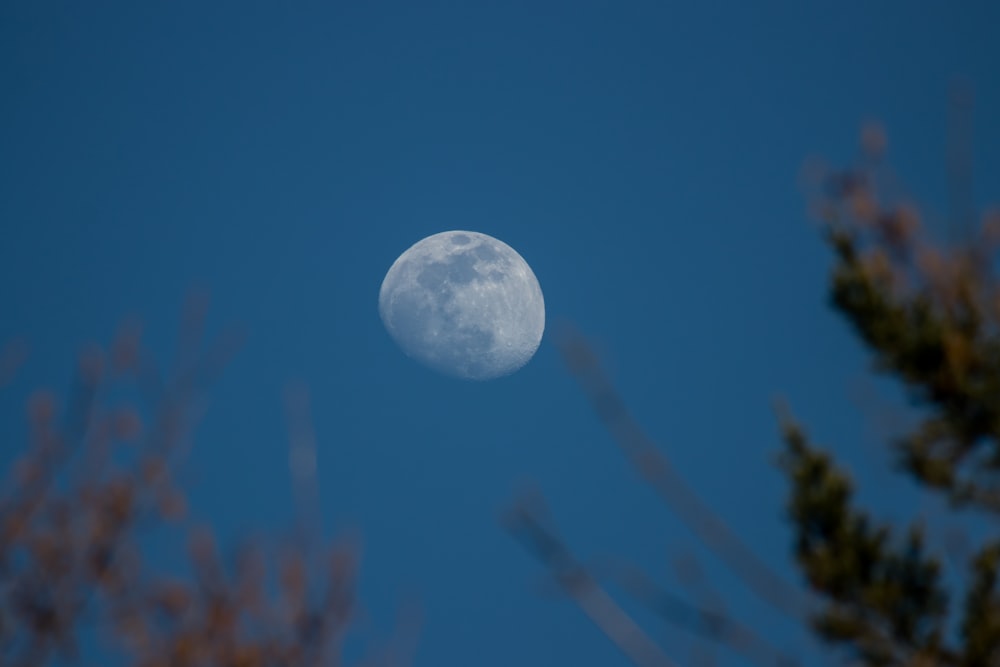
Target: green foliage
(981, 627)
(886, 601)
(931, 318)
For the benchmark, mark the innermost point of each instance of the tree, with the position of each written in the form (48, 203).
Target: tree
(930, 315)
(95, 475)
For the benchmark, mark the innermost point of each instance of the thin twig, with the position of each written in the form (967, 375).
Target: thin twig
(593, 600)
(655, 468)
(713, 625)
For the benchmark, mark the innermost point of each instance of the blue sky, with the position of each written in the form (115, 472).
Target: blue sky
(641, 156)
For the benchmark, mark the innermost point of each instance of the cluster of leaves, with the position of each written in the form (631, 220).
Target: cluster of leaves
(931, 317)
(72, 561)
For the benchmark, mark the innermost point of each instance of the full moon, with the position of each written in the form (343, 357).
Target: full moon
(465, 304)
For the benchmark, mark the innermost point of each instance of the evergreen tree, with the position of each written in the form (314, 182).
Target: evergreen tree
(930, 315)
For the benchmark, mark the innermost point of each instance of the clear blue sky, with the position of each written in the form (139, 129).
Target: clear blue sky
(641, 156)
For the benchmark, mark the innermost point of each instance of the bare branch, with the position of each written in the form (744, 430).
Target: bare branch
(653, 466)
(713, 625)
(525, 524)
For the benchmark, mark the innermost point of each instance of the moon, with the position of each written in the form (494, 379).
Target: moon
(464, 304)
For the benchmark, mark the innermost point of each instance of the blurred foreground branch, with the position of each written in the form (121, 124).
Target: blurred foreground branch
(930, 315)
(528, 521)
(527, 524)
(94, 476)
(655, 468)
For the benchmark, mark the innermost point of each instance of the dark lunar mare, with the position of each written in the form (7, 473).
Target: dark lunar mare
(471, 351)
(431, 322)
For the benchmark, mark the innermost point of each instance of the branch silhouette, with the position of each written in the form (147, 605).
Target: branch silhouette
(526, 524)
(653, 466)
(95, 476)
(713, 625)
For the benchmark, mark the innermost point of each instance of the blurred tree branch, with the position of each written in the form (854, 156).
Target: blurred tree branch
(930, 314)
(526, 522)
(95, 474)
(654, 468)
